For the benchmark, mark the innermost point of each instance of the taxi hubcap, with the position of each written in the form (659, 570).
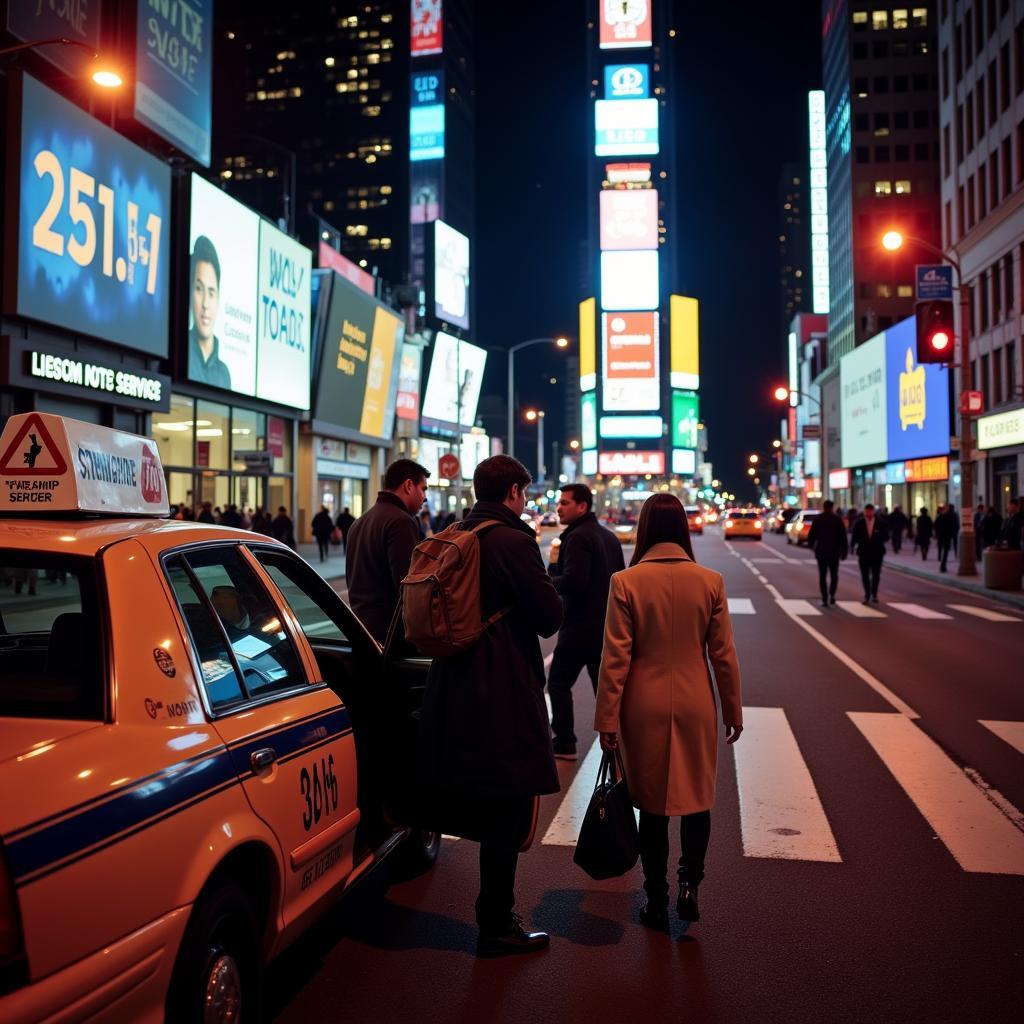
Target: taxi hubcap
(223, 1003)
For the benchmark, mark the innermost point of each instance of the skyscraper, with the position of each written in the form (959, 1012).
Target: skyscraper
(794, 266)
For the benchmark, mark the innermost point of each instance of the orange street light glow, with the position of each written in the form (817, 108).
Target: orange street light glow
(562, 342)
(781, 393)
(892, 240)
(107, 78)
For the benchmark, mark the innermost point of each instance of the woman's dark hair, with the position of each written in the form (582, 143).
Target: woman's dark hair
(662, 521)
(495, 476)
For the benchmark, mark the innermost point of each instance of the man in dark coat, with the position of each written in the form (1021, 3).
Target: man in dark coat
(1013, 526)
(322, 528)
(827, 538)
(945, 530)
(991, 527)
(898, 525)
(282, 529)
(344, 522)
(484, 738)
(925, 529)
(869, 537)
(380, 546)
(588, 556)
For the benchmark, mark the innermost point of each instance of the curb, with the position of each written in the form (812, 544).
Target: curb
(1012, 597)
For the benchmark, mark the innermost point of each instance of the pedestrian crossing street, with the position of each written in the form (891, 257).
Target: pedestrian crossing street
(882, 610)
(783, 816)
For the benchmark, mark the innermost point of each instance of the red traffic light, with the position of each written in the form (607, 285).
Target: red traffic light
(939, 341)
(935, 331)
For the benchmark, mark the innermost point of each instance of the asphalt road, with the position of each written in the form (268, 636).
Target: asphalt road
(867, 852)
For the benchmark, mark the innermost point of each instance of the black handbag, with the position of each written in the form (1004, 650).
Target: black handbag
(609, 844)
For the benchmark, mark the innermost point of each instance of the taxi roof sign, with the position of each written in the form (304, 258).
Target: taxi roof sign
(51, 463)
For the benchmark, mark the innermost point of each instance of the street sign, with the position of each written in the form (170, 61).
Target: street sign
(810, 432)
(934, 281)
(448, 466)
(971, 403)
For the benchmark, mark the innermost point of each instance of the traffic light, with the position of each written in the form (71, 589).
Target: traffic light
(935, 336)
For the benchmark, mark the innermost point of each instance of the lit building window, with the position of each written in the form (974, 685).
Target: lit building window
(919, 17)
(352, 73)
(883, 188)
(902, 188)
(884, 291)
(900, 17)
(879, 20)
(385, 190)
(905, 291)
(860, 17)
(385, 19)
(357, 230)
(329, 62)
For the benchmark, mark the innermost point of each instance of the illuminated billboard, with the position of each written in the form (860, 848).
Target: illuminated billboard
(426, 116)
(917, 397)
(819, 201)
(625, 24)
(453, 383)
(629, 218)
(862, 430)
(588, 420)
(631, 463)
(684, 461)
(684, 328)
(614, 427)
(90, 213)
(629, 279)
(685, 417)
(630, 362)
(329, 258)
(626, 127)
(426, 27)
(627, 81)
(588, 344)
(588, 463)
(407, 404)
(451, 275)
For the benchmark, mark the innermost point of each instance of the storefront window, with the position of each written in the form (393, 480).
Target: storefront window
(173, 432)
(212, 435)
(248, 429)
(179, 489)
(279, 443)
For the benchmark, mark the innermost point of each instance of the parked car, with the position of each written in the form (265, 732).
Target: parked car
(799, 526)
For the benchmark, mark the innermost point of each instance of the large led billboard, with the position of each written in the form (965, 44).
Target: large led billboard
(283, 319)
(453, 383)
(91, 213)
(684, 461)
(407, 404)
(631, 382)
(685, 417)
(629, 280)
(631, 463)
(626, 127)
(627, 81)
(917, 397)
(173, 61)
(629, 218)
(426, 27)
(359, 362)
(223, 269)
(819, 201)
(616, 427)
(426, 132)
(588, 344)
(624, 24)
(451, 275)
(862, 418)
(684, 349)
(588, 420)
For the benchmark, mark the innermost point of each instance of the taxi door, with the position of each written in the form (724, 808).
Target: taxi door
(289, 736)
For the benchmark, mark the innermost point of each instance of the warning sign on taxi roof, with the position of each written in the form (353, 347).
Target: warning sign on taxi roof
(54, 464)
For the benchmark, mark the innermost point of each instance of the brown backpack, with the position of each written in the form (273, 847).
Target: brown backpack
(441, 594)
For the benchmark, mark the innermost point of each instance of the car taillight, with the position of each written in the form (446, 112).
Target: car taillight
(728, 524)
(698, 520)
(13, 968)
(757, 523)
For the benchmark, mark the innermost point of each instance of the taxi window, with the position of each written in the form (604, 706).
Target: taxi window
(316, 606)
(51, 663)
(247, 620)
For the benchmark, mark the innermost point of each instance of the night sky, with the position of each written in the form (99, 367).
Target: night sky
(743, 78)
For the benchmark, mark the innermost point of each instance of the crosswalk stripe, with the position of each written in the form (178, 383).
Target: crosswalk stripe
(975, 831)
(798, 606)
(984, 613)
(860, 611)
(781, 816)
(917, 610)
(1012, 732)
(565, 825)
(741, 606)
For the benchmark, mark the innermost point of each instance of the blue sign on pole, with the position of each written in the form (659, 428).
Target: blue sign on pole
(626, 81)
(934, 281)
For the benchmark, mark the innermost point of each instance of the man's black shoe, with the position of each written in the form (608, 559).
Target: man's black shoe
(514, 941)
(655, 917)
(565, 751)
(686, 905)
(824, 602)
(867, 600)
(874, 597)
(832, 599)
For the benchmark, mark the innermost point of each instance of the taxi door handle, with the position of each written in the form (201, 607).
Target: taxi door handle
(262, 758)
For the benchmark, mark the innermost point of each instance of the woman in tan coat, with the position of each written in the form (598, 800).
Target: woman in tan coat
(667, 617)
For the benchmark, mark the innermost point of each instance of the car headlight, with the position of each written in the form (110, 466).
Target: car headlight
(698, 521)
(728, 524)
(757, 523)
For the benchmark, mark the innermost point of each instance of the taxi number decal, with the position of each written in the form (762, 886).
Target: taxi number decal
(319, 791)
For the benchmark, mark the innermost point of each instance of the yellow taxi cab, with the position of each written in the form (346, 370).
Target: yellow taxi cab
(799, 527)
(741, 522)
(201, 747)
(695, 518)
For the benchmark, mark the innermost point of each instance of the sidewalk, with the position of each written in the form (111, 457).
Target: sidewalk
(909, 561)
(333, 568)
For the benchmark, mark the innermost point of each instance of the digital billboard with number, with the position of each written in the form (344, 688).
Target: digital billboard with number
(93, 224)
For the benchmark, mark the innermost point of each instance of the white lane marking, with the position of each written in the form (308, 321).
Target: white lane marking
(917, 610)
(741, 606)
(765, 561)
(974, 822)
(761, 579)
(984, 613)
(798, 606)
(858, 670)
(860, 611)
(780, 812)
(1012, 732)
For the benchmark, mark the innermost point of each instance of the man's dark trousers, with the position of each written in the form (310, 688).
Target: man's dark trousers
(870, 571)
(566, 664)
(828, 564)
(943, 548)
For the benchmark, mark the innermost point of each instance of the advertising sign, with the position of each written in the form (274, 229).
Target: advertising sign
(224, 247)
(407, 403)
(917, 397)
(925, 470)
(684, 461)
(283, 315)
(93, 224)
(588, 420)
(629, 280)
(588, 463)
(627, 81)
(684, 327)
(615, 427)
(626, 127)
(631, 463)
(625, 24)
(839, 479)
(426, 116)
(360, 363)
(588, 344)
(933, 281)
(426, 24)
(863, 421)
(31, 19)
(426, 194)
(451, 275)
(332, 259)
(629, 218)
(1001, 429)
(456, 369)
(818, 180)
(173, 59)
(685, 417)
(631, 380)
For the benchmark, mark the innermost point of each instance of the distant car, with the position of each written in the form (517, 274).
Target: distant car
(695, 517)
(549, 519)
(711, 516)
(743, 523)
(782, 519)
(626, 532)
(799, 526)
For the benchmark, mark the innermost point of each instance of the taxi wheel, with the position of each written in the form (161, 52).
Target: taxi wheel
(419, 853)
(216, 976)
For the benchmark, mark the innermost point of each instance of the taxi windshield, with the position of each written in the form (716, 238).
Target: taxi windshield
(50, 650)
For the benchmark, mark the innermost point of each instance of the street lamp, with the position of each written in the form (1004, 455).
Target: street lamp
(538, 415)
(560, 342)
(893, 241)
(102, 74)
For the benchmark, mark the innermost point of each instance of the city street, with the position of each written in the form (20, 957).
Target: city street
(866, 858)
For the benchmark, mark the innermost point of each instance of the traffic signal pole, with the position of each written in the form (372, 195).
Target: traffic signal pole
(968, 564)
